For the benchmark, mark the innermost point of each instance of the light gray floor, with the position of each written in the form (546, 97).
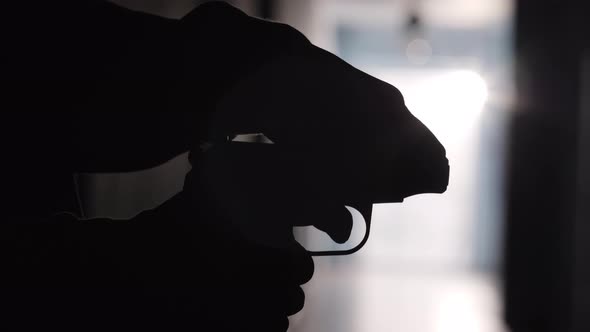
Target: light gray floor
(347, 299)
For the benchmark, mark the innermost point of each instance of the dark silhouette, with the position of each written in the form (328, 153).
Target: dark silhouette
(92, 87)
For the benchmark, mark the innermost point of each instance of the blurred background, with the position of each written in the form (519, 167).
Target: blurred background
(502, 85)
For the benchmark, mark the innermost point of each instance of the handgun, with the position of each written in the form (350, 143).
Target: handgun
(231, 173)
(337, 135)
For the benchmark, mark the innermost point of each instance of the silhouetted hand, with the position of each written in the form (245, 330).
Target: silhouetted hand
(343, 136)
(195, 269)
(174, 268)
(252, 52)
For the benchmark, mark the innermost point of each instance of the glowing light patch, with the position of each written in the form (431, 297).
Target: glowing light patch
(448, 102)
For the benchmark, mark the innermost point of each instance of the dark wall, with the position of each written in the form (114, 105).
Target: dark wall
(543, 165)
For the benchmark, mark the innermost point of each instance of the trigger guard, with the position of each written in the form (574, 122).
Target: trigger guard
(364, 213)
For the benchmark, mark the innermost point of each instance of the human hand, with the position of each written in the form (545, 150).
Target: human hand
(188, 257)
(347, 135)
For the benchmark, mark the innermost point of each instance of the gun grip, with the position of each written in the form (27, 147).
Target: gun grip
(359, 211)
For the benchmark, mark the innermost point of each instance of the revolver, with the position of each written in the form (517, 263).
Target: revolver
(231, 175)
(346, 140)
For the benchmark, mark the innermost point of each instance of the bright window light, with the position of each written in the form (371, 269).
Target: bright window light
(449, 102)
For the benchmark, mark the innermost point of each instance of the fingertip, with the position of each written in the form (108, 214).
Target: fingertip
(296, 301)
